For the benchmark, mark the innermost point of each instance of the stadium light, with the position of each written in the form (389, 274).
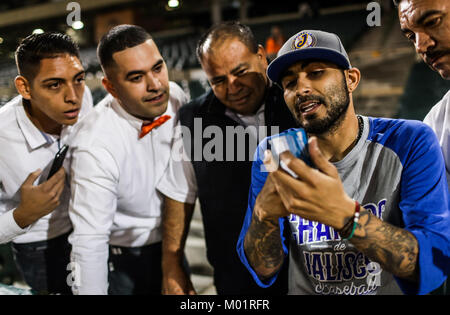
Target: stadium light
(173, 3)
(77, 25)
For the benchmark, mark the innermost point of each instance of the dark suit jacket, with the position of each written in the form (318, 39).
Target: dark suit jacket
(223, 188)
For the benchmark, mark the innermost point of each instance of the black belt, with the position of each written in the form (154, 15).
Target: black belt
(39, 245)
(135, 251)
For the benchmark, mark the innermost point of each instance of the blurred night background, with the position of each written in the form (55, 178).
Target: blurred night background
(395, 83)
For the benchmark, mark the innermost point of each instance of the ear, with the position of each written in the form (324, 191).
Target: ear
(107, 84)
(262, 54)
(353, 77)
(23, 86)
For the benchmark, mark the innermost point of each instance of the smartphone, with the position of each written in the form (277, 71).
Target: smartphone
(293, 140)
(58, 161)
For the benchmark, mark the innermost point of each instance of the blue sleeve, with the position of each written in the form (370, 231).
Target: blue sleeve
(259, 177)
(425, 205)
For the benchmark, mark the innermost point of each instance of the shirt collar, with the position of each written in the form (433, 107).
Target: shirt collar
(258, 112)
(245, 119)
(135, 122)
(34, 137)
(355, 152)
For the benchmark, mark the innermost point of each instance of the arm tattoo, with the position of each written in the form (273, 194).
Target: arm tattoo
(394, 248)
(263, 246)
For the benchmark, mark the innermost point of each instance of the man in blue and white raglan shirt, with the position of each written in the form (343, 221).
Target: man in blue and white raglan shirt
(372, 215)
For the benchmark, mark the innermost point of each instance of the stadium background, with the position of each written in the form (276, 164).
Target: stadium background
(395, 82)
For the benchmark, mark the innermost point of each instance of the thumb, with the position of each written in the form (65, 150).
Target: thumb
(32, 177)
(319, 159)
(269, 161)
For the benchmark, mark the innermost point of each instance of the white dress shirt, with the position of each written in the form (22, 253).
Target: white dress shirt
(23, 150)
(439, 120)
(114, 178)
(179, 182)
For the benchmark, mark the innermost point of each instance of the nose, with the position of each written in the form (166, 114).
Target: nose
(71, 95)
(234, 86)
(153, 83)
(303, 86)
(423, 42)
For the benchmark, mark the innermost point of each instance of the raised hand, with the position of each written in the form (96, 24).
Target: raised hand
(38, 201)
(317, 194)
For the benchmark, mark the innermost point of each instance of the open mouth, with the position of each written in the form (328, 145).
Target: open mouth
(238, 100)
(73, 113)
(155, 99)
(309, 107)
(434, 59)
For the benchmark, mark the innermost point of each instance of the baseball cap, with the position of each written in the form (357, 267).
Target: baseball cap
(308, 44)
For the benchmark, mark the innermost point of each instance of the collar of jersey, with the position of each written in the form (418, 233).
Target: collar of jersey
(354, 153)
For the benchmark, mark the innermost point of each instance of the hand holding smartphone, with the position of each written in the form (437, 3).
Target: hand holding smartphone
(58, 161)
(295, 141)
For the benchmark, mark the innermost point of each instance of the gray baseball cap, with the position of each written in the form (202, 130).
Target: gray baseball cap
(308, 44)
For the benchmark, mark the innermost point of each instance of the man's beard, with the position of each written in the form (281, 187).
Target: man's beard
(336, 110)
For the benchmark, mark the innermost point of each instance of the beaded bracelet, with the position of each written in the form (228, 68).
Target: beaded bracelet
(355, 221)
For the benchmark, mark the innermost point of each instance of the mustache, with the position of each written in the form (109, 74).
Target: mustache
(300, 99)
(154, 94)
(433, 55)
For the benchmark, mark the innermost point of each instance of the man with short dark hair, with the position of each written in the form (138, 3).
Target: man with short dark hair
(121, 152)
(241, 99)
(33, 127)
(368, 206)
(426, 23)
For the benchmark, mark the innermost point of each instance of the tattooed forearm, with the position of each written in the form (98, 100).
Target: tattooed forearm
(263, 246)
(395, 249)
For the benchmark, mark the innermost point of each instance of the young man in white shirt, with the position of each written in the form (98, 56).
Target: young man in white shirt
(33, 127)
(115, 208)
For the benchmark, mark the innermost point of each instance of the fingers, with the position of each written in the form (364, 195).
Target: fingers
(32, 177)
(175, 281)
(55, 182)
(298, 197)
(57, 190)
(54, 187)
(299, 167)
(289, 188)
(269, 162)
(59, 176)
(319, 160)
(304, 171)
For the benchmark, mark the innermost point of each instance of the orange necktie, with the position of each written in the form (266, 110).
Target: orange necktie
(147, 127)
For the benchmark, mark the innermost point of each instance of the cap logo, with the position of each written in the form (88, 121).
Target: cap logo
(303, 40)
